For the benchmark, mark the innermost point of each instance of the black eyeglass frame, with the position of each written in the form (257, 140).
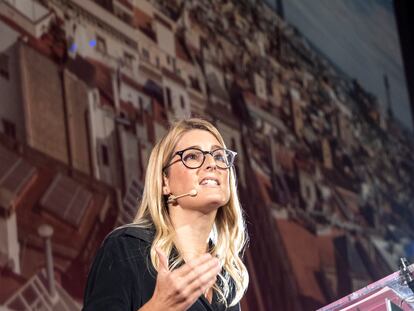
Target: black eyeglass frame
(181, 152)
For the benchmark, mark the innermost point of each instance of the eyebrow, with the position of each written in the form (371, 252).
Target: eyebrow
(214, 147)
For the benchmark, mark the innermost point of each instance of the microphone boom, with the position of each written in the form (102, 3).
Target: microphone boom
(173, 198)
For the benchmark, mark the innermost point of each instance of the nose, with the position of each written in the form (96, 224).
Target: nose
(209, 162)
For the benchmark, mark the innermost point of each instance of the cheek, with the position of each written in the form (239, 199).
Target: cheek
(183, 181)
(227, 188)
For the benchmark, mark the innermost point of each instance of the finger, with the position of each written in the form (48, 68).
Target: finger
(190, 291)
(208, 277)
(194, 294)
(197, 292)
(211, 284)
(203, 281)
(163, 259)
(191, 281)
(203, 269)
(188, 267)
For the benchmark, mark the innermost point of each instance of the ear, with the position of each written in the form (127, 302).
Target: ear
(165, 185)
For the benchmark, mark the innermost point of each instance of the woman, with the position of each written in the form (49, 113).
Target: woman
(183, 250)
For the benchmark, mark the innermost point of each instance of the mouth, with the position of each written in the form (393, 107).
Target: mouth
(209, 181)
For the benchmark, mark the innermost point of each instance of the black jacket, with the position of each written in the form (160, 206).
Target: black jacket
(122, 277)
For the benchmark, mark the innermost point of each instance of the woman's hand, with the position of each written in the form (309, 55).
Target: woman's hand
(180, 288)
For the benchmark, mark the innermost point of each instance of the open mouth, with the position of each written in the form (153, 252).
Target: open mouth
(209, 182)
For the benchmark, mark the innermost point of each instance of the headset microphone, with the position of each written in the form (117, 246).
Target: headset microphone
(173, 198)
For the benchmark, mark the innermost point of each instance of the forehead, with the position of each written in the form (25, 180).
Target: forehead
(196, 137)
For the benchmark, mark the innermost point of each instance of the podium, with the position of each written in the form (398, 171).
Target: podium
(391, 293)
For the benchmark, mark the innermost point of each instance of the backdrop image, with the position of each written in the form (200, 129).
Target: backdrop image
(312, 97)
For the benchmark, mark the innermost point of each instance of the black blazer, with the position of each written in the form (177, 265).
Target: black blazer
(122, 277)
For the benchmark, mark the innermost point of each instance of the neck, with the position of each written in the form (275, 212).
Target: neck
(192, 229)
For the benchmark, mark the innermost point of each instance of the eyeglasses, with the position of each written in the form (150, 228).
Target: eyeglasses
(194, 157)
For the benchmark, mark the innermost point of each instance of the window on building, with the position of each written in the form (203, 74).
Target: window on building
(157, 62)
(101, 44)
(168, 94)
(124, 16)
(174, 64)
(140, 160)
(145, 54)
(4, 66)
(9, 129)
(195, 84)
(140, 104)
(233, 144)
(182, 101)
(308, 192)
(105, 155)
(128, 59)
(203, 43)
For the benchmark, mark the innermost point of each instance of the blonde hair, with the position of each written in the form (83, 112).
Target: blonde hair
(229, 229)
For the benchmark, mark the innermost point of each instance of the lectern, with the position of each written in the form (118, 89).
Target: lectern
(392, 293)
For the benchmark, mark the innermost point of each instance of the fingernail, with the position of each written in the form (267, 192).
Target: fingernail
(158, 250)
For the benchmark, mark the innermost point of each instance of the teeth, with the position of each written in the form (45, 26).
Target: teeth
(209, 182)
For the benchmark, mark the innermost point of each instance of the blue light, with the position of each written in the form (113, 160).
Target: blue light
(92, 43)
(409, 250)
(73, 48)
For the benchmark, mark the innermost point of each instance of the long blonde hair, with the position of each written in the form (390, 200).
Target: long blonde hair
(229, 230)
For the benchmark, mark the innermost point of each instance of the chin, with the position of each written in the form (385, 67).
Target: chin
(213, 202)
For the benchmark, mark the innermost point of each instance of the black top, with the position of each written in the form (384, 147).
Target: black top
(122, 277)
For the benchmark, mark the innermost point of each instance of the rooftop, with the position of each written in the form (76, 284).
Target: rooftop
(89, 213)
